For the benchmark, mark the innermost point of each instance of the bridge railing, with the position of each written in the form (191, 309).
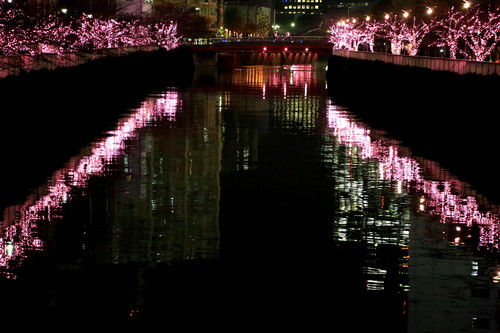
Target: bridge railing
(217, 41)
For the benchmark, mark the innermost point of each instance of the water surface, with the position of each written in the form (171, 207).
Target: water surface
(250, 200)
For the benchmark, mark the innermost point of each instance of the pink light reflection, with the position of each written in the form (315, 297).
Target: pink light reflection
(441, 197)
(19, 224)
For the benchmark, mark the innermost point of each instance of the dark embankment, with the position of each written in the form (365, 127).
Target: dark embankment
(47, 116)
(442, 116)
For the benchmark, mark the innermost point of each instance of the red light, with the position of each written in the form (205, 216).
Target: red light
(264, 49)
(286, 49)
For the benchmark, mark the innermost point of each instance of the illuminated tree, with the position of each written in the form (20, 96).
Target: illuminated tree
(392, 30)
(451, 30)
(370, 31)
(342, 35)
(406, 34)
(350, 34)
(473, 33)
(21, 34)
(482, 29)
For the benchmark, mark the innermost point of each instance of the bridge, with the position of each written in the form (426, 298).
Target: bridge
(282, 50)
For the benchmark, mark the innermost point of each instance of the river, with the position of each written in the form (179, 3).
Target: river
(250, 200)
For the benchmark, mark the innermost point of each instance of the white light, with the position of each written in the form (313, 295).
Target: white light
(9, 249)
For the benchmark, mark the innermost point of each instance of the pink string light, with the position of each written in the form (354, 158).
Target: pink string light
(476, 29)
(21, 34)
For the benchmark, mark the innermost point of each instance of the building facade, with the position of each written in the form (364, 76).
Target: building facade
(134, 8)
(212, 11)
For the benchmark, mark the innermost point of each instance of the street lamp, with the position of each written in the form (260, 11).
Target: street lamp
(466, 4)
(405, 14)
(429, 10)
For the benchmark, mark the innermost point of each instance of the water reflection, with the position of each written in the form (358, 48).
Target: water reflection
(262, 174)
(446, 197)
(443, 235)
(156, 191)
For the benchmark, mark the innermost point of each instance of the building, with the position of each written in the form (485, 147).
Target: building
(350, 8)
(212, 12)
(249, 17)
(302, 16)
(134, 8)
(299, 16)
(300, 7)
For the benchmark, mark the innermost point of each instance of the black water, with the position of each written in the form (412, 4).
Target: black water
(249, 200)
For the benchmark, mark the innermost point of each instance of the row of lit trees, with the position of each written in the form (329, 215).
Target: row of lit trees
(23, 34)
(473, 33)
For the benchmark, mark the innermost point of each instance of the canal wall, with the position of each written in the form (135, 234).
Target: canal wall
(437, 64)
(17, 64)
(443, 116)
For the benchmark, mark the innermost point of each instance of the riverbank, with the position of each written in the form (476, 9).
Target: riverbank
(48, 115)
(443, 116)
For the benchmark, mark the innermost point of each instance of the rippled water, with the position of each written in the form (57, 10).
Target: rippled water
(249, 201)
